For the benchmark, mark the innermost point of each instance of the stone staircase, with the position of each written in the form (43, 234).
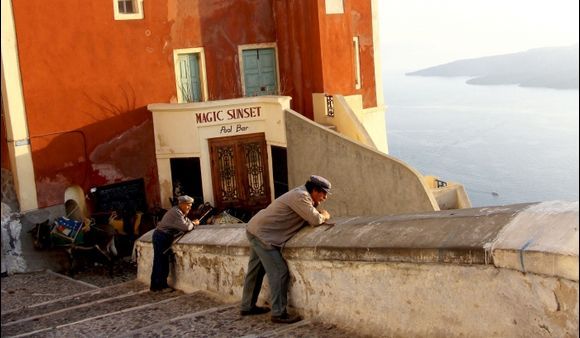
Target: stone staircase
(48, 304)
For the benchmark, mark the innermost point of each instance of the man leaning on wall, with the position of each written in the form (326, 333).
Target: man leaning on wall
(173, 223)
(267, 233)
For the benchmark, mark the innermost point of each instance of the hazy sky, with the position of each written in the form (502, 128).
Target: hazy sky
(417, 34)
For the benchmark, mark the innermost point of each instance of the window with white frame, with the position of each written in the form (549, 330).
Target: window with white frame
(190, 75)
(356, 52)
(128, 9)
(259, 70)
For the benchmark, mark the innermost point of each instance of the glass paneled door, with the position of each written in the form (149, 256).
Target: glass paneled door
(239, 166)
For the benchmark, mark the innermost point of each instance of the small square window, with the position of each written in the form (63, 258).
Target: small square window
(128, 9)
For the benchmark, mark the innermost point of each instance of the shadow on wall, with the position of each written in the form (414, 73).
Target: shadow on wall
(67, 158)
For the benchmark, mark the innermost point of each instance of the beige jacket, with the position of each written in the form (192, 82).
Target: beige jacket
(284, 217)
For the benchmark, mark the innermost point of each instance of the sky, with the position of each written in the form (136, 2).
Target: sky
(416, 34)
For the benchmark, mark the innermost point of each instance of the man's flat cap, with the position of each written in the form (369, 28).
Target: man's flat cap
(321, 182)
(185, 199)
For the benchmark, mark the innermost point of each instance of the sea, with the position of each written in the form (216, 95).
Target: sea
(505, 144)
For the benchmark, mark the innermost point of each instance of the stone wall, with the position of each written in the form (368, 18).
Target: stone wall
(18, 252)
(446, 273)
(384, 184)
(12, 256)
(8, 191)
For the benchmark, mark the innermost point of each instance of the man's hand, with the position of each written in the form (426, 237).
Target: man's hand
(325, 214)
(195, 223)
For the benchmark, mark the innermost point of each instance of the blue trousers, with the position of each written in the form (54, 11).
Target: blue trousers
(160, 271)
(265, 259)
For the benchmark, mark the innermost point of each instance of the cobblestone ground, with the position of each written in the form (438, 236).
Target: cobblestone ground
(226, 322)
(111, 326)
(22, 290)
(98, 275)
(95, 303)
(76, 299)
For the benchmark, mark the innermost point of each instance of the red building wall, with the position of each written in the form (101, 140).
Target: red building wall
(362, 23)
(88, 78)
(336, 34)
(299, 52)
(316, 54)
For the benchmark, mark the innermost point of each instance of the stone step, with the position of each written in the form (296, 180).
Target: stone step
(80, 312)
(90, 296)
(225, 321)
(22, 290)
(130, 310)
(117, 323)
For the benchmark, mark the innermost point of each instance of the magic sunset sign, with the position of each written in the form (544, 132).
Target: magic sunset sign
(228, 115)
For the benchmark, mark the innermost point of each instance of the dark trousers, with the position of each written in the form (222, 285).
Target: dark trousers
(265, 260)
(160, 271)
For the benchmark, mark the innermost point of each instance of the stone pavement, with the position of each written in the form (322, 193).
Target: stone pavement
(48, 304)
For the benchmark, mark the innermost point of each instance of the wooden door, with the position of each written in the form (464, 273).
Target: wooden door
(239, 166)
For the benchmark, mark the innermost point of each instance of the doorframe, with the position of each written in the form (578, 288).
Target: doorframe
(202, 71)
(267, 45)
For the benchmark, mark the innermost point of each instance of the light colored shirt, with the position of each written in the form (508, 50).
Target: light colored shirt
(174, 221)
(284, 217)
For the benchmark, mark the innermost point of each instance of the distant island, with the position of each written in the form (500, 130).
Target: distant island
(551, 67)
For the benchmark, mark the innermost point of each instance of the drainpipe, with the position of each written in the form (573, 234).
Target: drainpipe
(14, 111)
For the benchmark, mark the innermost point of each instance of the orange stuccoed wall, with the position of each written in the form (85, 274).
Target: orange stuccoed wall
(316, 51)
(336, 36)
(87, 78)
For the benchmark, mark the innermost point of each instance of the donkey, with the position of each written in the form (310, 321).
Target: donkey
(94, 243)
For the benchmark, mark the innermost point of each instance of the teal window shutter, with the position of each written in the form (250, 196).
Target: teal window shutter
(267, 59)
(251, 72)
(189, 80)
(260, 72)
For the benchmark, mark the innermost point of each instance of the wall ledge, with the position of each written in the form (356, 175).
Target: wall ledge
(522, 237)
